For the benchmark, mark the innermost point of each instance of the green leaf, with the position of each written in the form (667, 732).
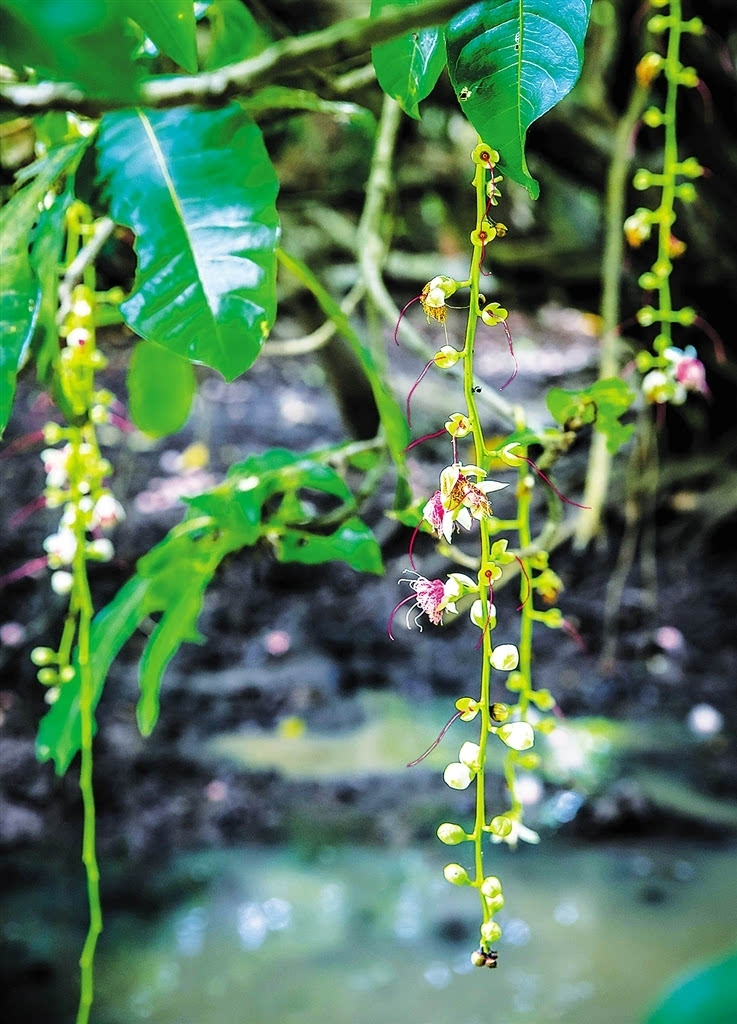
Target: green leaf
(353, 542)
(89, 43)
(706, 996)
(161, 386)
(602, 404)
(234, 34)
(170, 26)
(199, 191)
(279, 97)
(510, 61)
(46, 256)
(408, 67)
(20, 296)
(392, 418)
(59, 731)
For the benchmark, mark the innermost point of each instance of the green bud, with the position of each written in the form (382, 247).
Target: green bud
(42, 655)
(690, 167)
(528, 762)
(695, 26)
(543, 699)
(646, 316)
(451, 834)
(500, 826)
(642, 180)
(67, 674)
(685, 316)
(52, 433)
(456, 875)
(515, 682)
(648, 281)
(495, 904)
(658, 24)
(499, 712)
(546, 726)
(490, 931)
(47, 676)
(491, 887)
(686, 192)
(653, 118)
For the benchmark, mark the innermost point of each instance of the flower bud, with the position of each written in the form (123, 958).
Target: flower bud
(53, 433)
(458, 776)
(47, 676)
(500, 826)
(505, 658)
(490, 931)
(451, 834)
(62, 582)
(491, 887)
(515, 682)
(469, 755)
(499, 712)
(66, 674)
(42, 655)
(100, 550)
(642, 180)
(78, 337)
(516, 735)
(543, 699)
(456, 875)
(653, 117)
(646, 316)
(649, 68)
(495, 904)
(478, 958)
(528, 762)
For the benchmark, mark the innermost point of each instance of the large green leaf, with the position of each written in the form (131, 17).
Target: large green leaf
(408, 67)
(20, 295)
(199, 191)
(161, 386)
(705, 996)
(170, 26)
(88, 42)
(353, 542)
(234, 34)
(510, 61)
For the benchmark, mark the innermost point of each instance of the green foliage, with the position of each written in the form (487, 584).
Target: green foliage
(510, 61)
(602, 404)
(90, 43)
(263, 497)
(170, 26)
(20, 299)
(710, 995)
(234, 34)
(161, 386)
(199, 191)
(407, 68)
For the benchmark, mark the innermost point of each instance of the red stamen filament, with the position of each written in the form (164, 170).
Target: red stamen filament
(550, 483)
(511, 352)
(404, 310)
(413, 538)
(21, 443)
(714, 338)
(427, 437)
(412, 597)
(435, 743)
(27, 569)
(529, 586)
(23, 513)
(573, 633)
(412, 390)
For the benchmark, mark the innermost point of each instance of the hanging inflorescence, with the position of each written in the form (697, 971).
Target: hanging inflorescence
(462, 505)
(669, 372)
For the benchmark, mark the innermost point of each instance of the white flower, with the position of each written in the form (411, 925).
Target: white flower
(469, 756)
(61, 547)
(477, 615)
(519, 831)
(100, 550)
(78, 337)
(505, 658)
(107, 512)
(55, 465)
(458, 776)
(459, 585)
(459, 495)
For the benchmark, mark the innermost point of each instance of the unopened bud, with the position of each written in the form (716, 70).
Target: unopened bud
(451, 834)
(456, 875)
(42, 655)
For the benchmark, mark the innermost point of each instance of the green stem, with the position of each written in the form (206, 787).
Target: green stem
(525, 594)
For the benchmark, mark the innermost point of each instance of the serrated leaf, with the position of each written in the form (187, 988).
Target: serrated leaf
(170, 25)
(89, 43)
(199, 191)
(408, 67)
(20, 295)
(510, 61)
(353, 543)
(161, 386)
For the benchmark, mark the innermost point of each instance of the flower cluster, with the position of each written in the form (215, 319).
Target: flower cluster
(672, 376)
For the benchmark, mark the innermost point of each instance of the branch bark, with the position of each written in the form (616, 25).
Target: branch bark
(329, 46)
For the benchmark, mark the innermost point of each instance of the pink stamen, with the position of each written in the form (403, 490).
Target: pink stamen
(21, 443)
(573, 633)
(122, 424)
(23, 513)
(413, 388)
(550, 483)
(714, 338)
(412, 546)
(705, 94)
(427, 437)
(412, 597)
(404, 310)
(529, 586)
(433, 745)
(32, 568)
(511, 352)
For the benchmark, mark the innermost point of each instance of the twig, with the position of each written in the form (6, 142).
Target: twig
(600, 461)
(329, 46)
(318, 338)
(84, 258)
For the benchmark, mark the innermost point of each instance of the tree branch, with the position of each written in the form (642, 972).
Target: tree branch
(329, 46)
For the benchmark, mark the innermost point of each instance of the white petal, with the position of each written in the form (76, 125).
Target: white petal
(458, 776)
(491, 485)
(505, 658)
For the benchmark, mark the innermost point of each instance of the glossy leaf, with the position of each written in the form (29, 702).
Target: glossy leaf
(170, 25)
(20, 296)
(199, 191)
(602, 404)
(161, 386)
(408, 67)
(234, 34)
(510, 61)
(353, 542)
(89, 43)
(705, 996)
